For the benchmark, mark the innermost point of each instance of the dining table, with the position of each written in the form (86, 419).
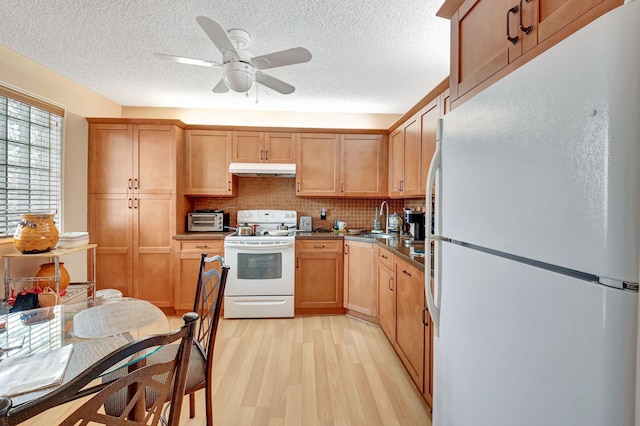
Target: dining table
(34, 344)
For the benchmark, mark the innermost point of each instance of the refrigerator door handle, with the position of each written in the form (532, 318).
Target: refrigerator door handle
(436, 164)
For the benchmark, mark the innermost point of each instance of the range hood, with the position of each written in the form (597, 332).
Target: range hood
(263, 169)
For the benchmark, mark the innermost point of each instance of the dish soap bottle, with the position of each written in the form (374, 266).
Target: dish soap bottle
(376, 221)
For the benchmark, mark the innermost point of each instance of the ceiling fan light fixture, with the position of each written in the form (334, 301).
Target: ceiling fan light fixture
(239, 76)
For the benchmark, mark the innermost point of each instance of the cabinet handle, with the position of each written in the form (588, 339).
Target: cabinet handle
(130, 203)
(202, 247)
(341, 186)
(297, 262)
(424, 317)
(404, 271)
(135, 203)
(390, 285)
(319, 247)
(526, 30)
(514, 10)
(261, 154)
(266, 155)
(130, 184)
(229, 186)
(384, 257)
(135, 183)
(298, 183)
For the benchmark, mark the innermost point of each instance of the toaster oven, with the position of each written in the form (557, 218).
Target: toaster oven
(207, 221)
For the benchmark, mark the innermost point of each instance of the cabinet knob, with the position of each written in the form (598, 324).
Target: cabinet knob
(202, 246)
(319, 247)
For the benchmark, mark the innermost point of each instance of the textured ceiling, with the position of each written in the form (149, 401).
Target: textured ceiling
(369, 56)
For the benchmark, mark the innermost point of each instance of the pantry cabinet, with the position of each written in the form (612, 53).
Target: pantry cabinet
(386, 293)
(208, 154)
(133, 209)
(187, 264)
(490, 38)
(319, 277)
(360, 288)
(263, 147)
(341, 165)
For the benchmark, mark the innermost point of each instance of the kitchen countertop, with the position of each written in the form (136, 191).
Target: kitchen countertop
(398, 246)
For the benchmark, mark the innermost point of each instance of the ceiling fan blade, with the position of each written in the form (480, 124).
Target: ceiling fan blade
(190, 61)
(221, 87)
(274, 83)
(292, 56)
(219, 37)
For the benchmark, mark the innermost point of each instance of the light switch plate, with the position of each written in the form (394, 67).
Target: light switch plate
(306, 223)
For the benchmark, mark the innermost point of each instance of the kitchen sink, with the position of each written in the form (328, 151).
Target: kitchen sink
(378, 235)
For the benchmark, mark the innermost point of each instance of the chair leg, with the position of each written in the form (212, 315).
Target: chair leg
(209, 402)
(192, 405)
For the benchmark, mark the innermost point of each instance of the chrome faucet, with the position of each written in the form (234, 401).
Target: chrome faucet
(386, 220)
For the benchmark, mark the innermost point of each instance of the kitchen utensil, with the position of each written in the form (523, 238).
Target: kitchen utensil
(278, 232)
(395, 223)
(283, 227)
(245, 229)
(340, 225)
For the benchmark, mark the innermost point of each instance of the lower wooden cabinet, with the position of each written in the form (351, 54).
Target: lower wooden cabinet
(319, 271)
(360, 289)
(187, 265)
(410, 301)
(386, 293)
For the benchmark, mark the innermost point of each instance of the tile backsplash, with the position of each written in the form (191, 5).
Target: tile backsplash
(279, 194)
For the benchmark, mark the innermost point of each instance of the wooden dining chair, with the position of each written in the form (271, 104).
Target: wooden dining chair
(167, 380)
(212, 278)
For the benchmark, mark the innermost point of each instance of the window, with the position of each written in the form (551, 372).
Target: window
(30, 158)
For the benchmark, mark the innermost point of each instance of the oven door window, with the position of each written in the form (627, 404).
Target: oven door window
(259, 266)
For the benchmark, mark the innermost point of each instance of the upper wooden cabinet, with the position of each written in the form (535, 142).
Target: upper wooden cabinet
(429, 116)
(490, 38)
(208, 154)
(348, 165)
(404, 161)
(127, 157)
(263, 147)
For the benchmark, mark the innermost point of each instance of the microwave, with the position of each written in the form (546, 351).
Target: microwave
(207, 222)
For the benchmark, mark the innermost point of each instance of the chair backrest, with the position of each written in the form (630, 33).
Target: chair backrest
(212, 280)
(158, 377)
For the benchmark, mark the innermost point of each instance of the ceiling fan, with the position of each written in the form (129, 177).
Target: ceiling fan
(240, 70)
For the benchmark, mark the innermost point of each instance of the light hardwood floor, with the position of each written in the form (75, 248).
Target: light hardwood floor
(316, 370)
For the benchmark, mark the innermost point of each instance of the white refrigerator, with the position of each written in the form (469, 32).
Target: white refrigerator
(537, 232)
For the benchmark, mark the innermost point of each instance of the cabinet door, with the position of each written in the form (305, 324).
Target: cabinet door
(360, 289)
(362, 166)
(110, 224)
(409, 326)
(318, 282)
(248, 147)
(280, 147)
(208, 156)
(479, 45)
(412, 159)
(187, 265)
(553, 15)
(429, 116)
(153, 234)
(317, 164)
(386, 301)
(154, 159)
(111, 158)
(396, 162)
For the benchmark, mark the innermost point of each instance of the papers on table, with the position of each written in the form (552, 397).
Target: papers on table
(28, 373)
(72, 239)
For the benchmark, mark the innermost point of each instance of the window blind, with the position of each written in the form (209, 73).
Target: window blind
(30, 159)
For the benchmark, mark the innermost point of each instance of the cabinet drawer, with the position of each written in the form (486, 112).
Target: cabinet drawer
(315, 246)
(385, 257)
(202, 246)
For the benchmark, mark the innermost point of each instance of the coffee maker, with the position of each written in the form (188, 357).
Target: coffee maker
(414, 220)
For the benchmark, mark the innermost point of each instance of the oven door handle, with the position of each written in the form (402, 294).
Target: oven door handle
(259, 246)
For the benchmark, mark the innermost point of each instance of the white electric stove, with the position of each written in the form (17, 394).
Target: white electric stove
(261, 278)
